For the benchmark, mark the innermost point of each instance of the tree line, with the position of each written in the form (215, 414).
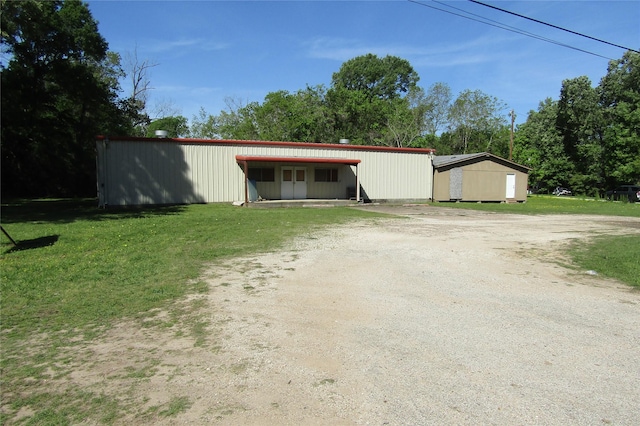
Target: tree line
(589, 138)
(61, 88)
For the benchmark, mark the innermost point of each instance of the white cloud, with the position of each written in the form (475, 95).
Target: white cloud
(160, 46)
(479, 50)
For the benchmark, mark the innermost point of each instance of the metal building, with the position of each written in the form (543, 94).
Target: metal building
(479, 177)
(137, 171)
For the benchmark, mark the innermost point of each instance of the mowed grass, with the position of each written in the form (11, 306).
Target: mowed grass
(83, 267)
(78, 269)
(611, 256)
(547, 204)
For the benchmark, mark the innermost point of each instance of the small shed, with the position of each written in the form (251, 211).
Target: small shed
(478, 177)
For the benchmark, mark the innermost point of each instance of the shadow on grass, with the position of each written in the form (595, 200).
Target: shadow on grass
(34, 243)
(71, 210)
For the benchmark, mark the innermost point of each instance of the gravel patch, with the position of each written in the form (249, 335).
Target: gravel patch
(433, 317)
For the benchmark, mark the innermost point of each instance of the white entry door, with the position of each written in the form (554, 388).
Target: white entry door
(294, 183)
(511, 185)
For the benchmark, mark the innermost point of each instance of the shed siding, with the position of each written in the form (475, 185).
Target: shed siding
(481, 181)
(133, 172)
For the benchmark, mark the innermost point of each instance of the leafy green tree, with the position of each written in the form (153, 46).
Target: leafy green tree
(580, 123)
(475, 118)
(538, 145)
(314, 122)
(363, 93)
(438, 99)
(406, 121)
(59, 90)
(302, 116)
(204, 126)
(382, 78)
(620, 98)
(176, 127)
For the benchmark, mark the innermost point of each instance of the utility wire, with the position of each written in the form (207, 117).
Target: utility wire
(552, 26)
(496, 24)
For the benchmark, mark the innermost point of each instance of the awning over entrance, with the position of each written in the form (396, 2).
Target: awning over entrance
(319, 160)
(244, 160)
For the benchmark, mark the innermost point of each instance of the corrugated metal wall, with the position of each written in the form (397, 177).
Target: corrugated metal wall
(481, 181)
(154, 171)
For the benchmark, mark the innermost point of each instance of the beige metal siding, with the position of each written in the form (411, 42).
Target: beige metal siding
(395, 176)
(482, 181)
(133, 172)
(441, 185)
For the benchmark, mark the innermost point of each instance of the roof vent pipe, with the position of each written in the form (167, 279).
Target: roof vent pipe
(161, 133)
(344, 141)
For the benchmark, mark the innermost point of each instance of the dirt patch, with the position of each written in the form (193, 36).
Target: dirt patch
(437, 316)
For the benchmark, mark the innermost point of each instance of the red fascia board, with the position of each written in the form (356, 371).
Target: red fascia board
(271, 143)
(351, 162)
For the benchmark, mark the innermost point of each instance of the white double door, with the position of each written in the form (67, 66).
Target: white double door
(294, 183)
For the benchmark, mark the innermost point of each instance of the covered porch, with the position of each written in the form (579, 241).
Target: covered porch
(299, 180)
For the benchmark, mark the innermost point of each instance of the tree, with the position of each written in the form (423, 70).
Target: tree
(406, 121)
(538, 145)
(383, 78)
(136, 103)
(204, 126)
(580, 123)
(176, 127)
(620, 99)
(439, 101)
(59, 90)
(475, 118)
(363, 93)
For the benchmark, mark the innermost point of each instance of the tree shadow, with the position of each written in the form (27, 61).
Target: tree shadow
(148, 172)
(71, 210)
(34, 243)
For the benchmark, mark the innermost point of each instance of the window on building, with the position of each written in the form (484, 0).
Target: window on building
(326, 175)
(262, 174)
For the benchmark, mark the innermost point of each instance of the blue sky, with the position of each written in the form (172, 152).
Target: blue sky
(207, 51)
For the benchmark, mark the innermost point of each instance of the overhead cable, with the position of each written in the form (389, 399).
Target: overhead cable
(553, 26)
(496, 24)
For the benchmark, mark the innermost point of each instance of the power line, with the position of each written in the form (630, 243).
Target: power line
(552, 26)
(496, 24)
(513, 29)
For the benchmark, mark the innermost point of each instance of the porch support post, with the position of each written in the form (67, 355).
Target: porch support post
(357, 185)
(245, 165)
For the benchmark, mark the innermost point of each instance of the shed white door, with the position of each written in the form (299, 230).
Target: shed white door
(511, 185)
(294, 183)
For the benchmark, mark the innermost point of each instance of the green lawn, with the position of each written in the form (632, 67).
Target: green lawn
(82, 267)
(547, 204)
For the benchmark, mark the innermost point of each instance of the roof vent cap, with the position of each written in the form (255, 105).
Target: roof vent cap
(161, 133)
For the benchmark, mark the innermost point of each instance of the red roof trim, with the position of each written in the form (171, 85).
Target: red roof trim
(271, 143)
(271, 159)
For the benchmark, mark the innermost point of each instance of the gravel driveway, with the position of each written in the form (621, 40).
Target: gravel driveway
(436, 316)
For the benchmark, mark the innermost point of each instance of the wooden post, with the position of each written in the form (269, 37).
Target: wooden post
(8, 236)
(357, 185)
(513, 119)
(246, 183)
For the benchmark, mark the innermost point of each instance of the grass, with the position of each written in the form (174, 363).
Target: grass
(611, 256)
(78, 269)
(544, 204)
(98, 265)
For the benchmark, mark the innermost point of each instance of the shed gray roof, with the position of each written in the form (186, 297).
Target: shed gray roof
(448, 160)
